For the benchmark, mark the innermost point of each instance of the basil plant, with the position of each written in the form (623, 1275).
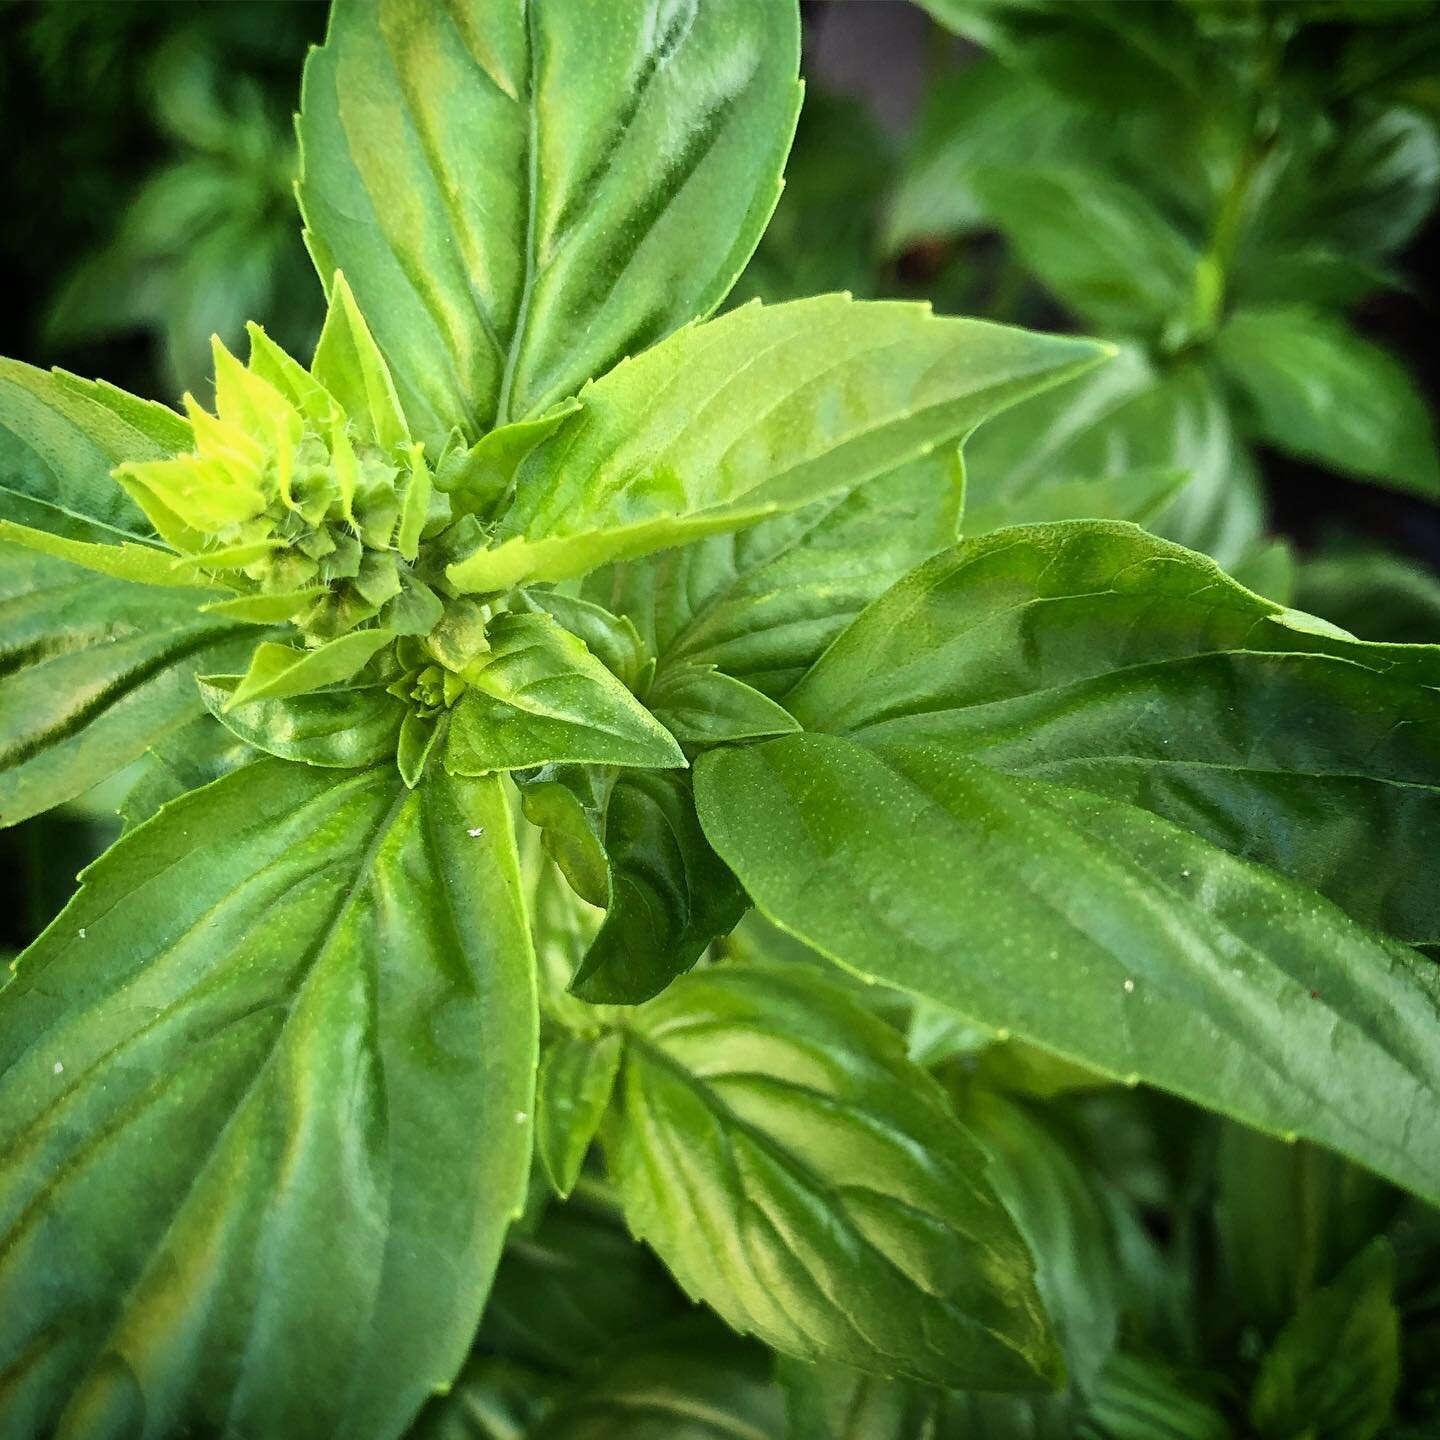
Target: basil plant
(540, 612)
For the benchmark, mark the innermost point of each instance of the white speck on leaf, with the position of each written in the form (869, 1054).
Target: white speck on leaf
(475, 830)
(59, 1067)
(1129, 986)
(519, 1117)
(82, 932)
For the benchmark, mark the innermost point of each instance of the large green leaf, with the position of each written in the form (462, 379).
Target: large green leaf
(520, 196)
(762, 603)
(60, 437)
(1317, 390)
(796, 1172)
(1094, 930)
(1124, 422)
(538, 696)
(292, 1007)
(1101, 657)
(93, 671)
(762, 410)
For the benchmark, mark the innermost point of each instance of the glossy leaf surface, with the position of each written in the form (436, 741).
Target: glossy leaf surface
(762, 410)
(1094, 930)
(521, 196)
(794, 1170)
(252, 1031)
(92, 672)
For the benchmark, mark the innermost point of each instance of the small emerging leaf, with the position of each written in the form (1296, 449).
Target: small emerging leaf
(278, 671)
(577, 1075)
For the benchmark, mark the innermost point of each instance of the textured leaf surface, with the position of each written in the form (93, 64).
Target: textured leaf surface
(1319, 391)
(701, 706)
(762, 410)
(1097, 656)
(1094, 930)
(520, 196)
(797, 1173)
(60, 437)
(93, 671)
(577, 1074)
(763, 603)
(538, 696)
(255, 1029)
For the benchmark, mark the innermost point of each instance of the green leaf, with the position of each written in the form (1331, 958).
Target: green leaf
(279, 671)
(798, 1174)
(262, 609)
(1317, 390)
(700, 705)
(830, 1402)
(1101, 246)
(145, 564)
(199, 752)
(478, 478)
(492, 1399)
(538, 696)
(60, 437)
(349, 365)
(1373, 593)
(254, 1030)
(524, 197)
(709, 1387)
(762, 410)
(1097, 656)
(345, 728)
(1334, 1369)
(93, 671)
(1094, 930)
(1139, 497)
(573, 1288)
(1141, 1399)
(1123, 420)
(668, 894)
(612, 639)
(763, 603)
(567, 804)
(577, 1074)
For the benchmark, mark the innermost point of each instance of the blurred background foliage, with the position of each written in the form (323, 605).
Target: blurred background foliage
(1241, 195)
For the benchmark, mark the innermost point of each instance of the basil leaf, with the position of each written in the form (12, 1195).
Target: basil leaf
(763, 603)
(492, 1399)
(577, 1075)
(60, 437)
(573, 1288)
(145, 564)
(1094, 930)
(1142, 1398)
(707, 1388)
(538, 697)
(197, 753)
(759, 411)
(1121, 420)
(797, 1173)
(1139, 496)
(524, 198)
(348, 727)
(700, 705)
(1092, 655)
(1335, 1368)
(92, 672)
(278, 672)
(1372, 593)
(612, 639)
(258, 934)
(1100, 245)
(669, 895)
(1315, 389)
(349, 366)
(566, 803)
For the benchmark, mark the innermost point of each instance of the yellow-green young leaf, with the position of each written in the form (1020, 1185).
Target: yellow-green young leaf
(760, 411)
(797, 1173)
(528, 194)
(261, 609)
(144, 564)
(278, 671)
(1123, 420)
(61, 436)
(1099, 656)
(577, 1074)
(346, 727)
(93, 671)
(293, 1007)
(538, 696)
(348, 364)
(1334, 1369)
(700, 705)
(763, 603)
(1094, 930)
(1317, 390)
